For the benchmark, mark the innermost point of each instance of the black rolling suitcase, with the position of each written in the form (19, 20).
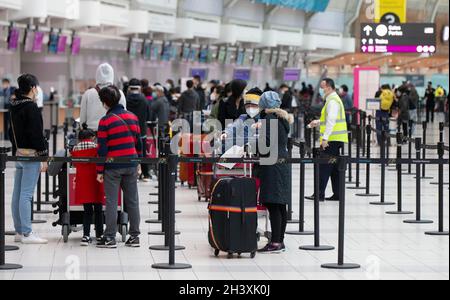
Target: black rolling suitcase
(233, 217)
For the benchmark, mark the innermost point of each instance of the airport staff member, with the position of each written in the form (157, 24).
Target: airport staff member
(333, 136)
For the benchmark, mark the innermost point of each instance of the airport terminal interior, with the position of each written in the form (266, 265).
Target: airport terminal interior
(92, 96)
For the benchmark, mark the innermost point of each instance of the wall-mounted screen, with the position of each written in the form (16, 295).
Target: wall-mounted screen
(256, 61)
(53, 43)
(62, 44)
(156, 52)
(242, 74)
(38, 41)
(185, 52)
(76, 45)
(166, 54)
(28, 41)
(133, 48)
(221, 56)
(240, 57)
(147, 50)
(203, 73)
(204, 53)
(13, 38)
(291, 74)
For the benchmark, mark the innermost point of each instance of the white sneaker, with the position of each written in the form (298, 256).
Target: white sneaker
(18, 238)
(33, 239)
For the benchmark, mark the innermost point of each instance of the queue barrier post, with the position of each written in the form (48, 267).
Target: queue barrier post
(301, 213)
(367, 193)
(39, 199)
(399, 210)
(424, 150)
(171, 176)
(363, 134)
(317, 246)
(350, 171)
(3, 248)
(55, 145)
(164, 194)
(382, 201)
(441, 140)
(341, 265)
(409, 148)
(418, 219)
(290, 212)
(440, 231)
(358, 165)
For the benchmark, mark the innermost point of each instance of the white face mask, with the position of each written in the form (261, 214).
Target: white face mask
(252, 112)
(213, 97)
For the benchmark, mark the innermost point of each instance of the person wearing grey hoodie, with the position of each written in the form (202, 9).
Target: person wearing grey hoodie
(92, 109)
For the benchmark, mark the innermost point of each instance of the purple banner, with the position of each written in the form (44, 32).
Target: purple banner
(62, 43)
(291, 75)
(38, 42)
(242, 74)
(13, 39)
(76, 45)
(399, 49)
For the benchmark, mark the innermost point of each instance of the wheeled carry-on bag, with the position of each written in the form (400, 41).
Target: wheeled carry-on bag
(233, 218)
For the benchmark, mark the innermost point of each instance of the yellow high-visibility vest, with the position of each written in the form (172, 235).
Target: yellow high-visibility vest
(340, 132)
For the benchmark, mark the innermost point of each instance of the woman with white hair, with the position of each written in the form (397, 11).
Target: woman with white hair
(92, 109)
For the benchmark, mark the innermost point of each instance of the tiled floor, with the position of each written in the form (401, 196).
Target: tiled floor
(384, 246)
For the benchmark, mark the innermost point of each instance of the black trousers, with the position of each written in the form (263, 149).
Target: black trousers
(327, 171)
(93, 212)
(430, 114)
(145, 168)
(278, 221)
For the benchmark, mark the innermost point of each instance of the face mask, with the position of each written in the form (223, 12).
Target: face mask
(252, 112)
(322, 93)
(154, 95)
(213, 97)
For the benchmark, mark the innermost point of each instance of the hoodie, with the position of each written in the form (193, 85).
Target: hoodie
(139, 105)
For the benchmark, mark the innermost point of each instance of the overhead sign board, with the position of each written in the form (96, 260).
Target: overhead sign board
(390, 11)
(398, 38)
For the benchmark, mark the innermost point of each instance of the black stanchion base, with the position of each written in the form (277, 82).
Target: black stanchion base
(10, 233)
(153, 221)
(11, 248)
(166, 248)
(293, 221)
(367, 195)
(301, 233)
(317, 248)
(408, 174)
(418, 222)
(437, 233)
(341, 267)
(38, 222)
(382, 203)
(42, 212)
(176, 212)
(7, 267)
(161, 233)
(424, 178)
(356, 188)
(437, 183)
(171, 267)
(153, 202)
(399, 213)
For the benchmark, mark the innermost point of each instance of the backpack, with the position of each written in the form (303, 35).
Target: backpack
(387, 99)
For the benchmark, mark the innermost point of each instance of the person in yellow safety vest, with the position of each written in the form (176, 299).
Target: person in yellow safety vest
(333, 136)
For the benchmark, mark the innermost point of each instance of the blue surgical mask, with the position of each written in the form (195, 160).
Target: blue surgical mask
(154, 95)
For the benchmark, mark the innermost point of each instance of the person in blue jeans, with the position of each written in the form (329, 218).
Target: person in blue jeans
(27, 138)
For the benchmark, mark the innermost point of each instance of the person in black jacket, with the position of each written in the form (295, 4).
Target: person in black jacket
(138, 105)
(27, 138)
(200, 91)
(275, 193)
(232, 108)
(430, 102)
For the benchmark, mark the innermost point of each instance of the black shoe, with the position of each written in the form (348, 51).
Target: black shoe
(272, 249)
(107, 243)
(313, 198)
(85, 241)
(333, 198)
(133, 242)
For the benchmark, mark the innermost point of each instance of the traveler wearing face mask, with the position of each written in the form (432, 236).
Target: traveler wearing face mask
(233, 107)
(27, 139)
(333, 136)
(251, 102)
(92, 109)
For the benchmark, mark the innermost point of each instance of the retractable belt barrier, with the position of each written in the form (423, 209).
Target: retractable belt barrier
(169, 165)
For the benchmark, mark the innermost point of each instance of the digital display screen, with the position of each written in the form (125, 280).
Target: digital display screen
(242, 74)
(133, 49)
(398, 38)
(291, 74)
(166, 52)
(38, 41)
(156, 52)
(147, 50)
(193, 55)
(53, 43)
(62, 44)
(203, 73)
(76, 45)
(240, 57)
(204, 53)
(185, 53)
(222, 55)
(13, 38)
(28, 41)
